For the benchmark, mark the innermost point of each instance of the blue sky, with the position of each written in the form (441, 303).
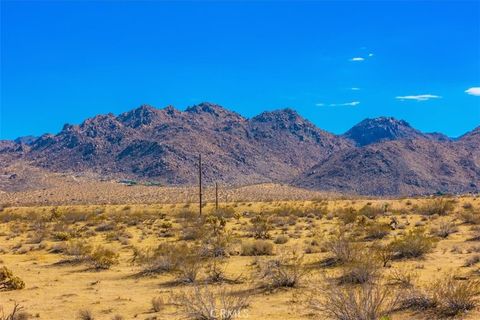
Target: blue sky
(62, 62)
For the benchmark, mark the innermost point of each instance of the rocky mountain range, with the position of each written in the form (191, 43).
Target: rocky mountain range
(381, 156)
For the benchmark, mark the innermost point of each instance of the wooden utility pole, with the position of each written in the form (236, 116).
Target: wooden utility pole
(200, 183)
(216, 196)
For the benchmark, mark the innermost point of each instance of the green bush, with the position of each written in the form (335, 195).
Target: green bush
(103, 258)
(260, 226)
(414, 244)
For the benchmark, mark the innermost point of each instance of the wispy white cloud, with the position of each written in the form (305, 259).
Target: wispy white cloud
(369, 55)
(351, 104)
(354, 89)
(419, 97)
(346, 104)
(474, 91)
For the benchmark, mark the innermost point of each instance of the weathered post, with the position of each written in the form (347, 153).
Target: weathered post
(216, 196)
(200, 183)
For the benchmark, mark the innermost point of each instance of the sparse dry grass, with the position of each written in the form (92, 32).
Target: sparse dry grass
(344, 250)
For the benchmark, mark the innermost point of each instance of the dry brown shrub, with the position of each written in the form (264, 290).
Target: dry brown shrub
(439, 206)
(376, 230)
(256, 248)
(347, 215)
(8, 281)
(444, 229)
(17, 313)
(157, 304)
(281, 239)
(454, 296)
(85, 314)
(286, 270)
(369, 301)
(402, 277)
(342, 249)
(360, 270)
(205, 303)
(470, 216)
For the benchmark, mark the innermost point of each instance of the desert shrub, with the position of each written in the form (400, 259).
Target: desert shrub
(286, 270)
(182, 259)
(370, 211)
(281, 239)
(80, 250)
(189, 267)
(415, 299)
(164, 258)
(369, 301)
(61, 236)
(414, 244)
(384, 253)
(444, 229)
(347, 215)
(204, 303)
(467, 206)
(217, 245)
(71, 215)
(256, 248)
(216, 241)
(15, 314)
(157, 304)
(187, 215)
(224, 212)
(105, 226)
(85, 314)
(342, 249)
(472, 261)
(470, 216)
(8, 281)
(454, 296)
(260, 226)
(375, 231)
(361, 270)
(192, 229)
(215, 270)
(439, 207)
(103, 258)
(402, 277)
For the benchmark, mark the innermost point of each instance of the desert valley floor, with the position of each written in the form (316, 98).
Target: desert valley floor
(265, 259)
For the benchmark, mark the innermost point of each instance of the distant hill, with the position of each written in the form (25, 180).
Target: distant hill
(381, 156)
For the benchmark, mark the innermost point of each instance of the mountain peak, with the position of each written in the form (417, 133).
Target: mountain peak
(279, 116)
(143, 115)
(206, 107)
(212, 110)
(379, 129)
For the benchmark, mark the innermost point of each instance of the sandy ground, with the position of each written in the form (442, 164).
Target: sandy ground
(58, 291)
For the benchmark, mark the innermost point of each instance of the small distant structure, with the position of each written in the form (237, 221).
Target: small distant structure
(128, 182)
(152, 184)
